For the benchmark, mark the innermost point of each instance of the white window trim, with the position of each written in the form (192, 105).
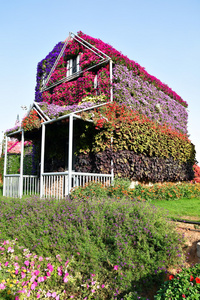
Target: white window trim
(70, 65)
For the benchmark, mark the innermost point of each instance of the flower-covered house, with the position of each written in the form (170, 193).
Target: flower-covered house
(96, 115)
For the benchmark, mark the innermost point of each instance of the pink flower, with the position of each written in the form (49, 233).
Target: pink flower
(33, 278)
(103, 286)
(93, 291)
(50, 267)
(10, 249)
(36, 272)
(6, 242)
(6, 263)
(53, 294)
(23, 274)
(40, 279)
(2, 286)
(38, 295)
(66, 263)
(33, 286)
(27, 263)
(40, 258)
(48, 294)
(116, 267)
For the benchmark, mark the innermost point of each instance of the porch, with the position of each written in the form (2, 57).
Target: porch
(47, 184)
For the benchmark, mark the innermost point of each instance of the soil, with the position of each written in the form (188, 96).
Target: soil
(192, 236)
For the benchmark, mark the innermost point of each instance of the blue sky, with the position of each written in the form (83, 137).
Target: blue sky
(162, 36)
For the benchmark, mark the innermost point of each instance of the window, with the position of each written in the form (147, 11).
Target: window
(73, 66)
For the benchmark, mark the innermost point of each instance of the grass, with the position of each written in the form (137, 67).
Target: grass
(181, 208)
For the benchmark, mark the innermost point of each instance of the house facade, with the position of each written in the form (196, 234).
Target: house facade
(97, 114)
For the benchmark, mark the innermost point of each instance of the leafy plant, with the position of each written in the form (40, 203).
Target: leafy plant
(128, 245)
(184, 285)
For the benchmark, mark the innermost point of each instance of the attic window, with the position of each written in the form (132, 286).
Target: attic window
(73, 66)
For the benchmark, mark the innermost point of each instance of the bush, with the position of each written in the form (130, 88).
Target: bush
(120, 188)
(128, 245)
(196, 173)
(185, 284)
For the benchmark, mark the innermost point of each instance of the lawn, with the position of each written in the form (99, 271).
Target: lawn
(181, 208)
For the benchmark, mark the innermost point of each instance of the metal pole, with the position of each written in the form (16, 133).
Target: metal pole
(70, 152)
(42, 159)
(5, 167)
(21, 166)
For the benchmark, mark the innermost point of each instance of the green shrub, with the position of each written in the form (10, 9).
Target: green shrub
(185, 284)
(128, 245)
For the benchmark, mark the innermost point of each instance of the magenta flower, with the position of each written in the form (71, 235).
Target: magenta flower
(116, 267)
(50, 267)
(36, 272)
(27, 263)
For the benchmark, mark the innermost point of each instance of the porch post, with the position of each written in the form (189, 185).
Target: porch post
(5, 167)
(42, 159)
(70, 152)
(21, 166)
(111, 80)
(111, 99)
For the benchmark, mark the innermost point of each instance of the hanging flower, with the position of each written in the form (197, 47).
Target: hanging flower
(32, 121)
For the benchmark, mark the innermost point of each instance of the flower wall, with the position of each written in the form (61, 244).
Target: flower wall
(145, 98)
(148, 120)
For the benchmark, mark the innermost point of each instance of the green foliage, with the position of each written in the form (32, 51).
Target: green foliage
(132, 131)
(13, 163)
(185, 284)
(125, 243)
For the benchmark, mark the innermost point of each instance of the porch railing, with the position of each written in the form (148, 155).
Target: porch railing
(53, 184)
(11, 185)
(12, 182)
(31, 185)
(57, 184)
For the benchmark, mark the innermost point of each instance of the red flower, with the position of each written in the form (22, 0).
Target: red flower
(191, 278)
(171, 277)
(197, 279)
(183, 296)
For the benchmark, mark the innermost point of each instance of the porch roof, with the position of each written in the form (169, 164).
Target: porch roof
(47, 120)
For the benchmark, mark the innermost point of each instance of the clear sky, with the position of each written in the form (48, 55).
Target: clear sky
(162, 36)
